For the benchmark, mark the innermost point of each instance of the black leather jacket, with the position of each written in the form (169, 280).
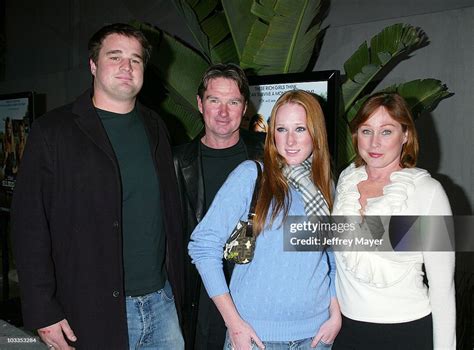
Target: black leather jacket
(187, 163)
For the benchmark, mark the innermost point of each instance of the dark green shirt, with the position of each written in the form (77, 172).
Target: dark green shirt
(217, 164)
(142, 222)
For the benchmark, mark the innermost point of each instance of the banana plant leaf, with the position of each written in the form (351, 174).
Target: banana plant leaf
(173, 108)
(367, 63)
(207, 22)
(191, 20)
(282, 37)
(190, 119)
(422, 95)
(178, 66)
(202, 8)
(240, 20)
(183, 123)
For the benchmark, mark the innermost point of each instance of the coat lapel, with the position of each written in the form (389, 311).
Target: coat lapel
(200, 203)
(89, 122)
(191, 168)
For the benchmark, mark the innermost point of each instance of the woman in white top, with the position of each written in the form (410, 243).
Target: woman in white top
(383, 298)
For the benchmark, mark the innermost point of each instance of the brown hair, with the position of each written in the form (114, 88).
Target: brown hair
(396, 106)
(274, 189)
(228, 71)
(257, 122)
(95, 42)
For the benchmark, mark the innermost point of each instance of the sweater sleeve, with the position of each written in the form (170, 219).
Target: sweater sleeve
(439, 267)
(230, 205)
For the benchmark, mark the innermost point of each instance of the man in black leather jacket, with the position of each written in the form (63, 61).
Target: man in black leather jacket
(202, 166)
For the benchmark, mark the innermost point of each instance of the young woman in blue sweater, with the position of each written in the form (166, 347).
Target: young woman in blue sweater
(282, 299)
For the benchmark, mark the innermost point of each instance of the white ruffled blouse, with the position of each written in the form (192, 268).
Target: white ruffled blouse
(387, 287)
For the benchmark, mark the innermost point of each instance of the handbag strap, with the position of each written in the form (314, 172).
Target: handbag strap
(255, 193)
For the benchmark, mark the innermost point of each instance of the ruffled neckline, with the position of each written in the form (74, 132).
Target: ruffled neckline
(393, 200)
(375, 268)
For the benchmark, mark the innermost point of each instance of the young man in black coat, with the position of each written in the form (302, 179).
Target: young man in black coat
(97, 237)
(202, 167)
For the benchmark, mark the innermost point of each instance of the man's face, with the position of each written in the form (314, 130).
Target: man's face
(119, 69)
(222, 107)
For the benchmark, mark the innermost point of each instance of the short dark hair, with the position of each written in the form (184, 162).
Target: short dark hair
(95, 42)
(396, 106)
(227, 71)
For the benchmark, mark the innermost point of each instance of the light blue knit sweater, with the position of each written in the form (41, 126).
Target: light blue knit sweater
(284, 296)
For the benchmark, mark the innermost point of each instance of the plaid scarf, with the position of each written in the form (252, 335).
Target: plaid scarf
(299, 176)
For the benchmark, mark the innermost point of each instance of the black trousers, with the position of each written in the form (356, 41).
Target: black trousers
(357, 335)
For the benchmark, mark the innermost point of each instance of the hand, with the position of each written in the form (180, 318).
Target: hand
(328, 330)
(53, 335)
(241, 336)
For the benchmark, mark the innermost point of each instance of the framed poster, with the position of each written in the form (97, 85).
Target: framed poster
(265, 90)
(16, 115)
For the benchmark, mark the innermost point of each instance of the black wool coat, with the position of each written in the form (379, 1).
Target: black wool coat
(67, 224)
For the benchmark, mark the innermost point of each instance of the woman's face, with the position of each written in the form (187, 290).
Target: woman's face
(292, 139)
(380, 140)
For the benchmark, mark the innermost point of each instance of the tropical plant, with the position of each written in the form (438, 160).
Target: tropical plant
(274, 37)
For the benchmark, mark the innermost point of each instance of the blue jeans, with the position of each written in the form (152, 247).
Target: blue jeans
(153, 322)
(303, 344)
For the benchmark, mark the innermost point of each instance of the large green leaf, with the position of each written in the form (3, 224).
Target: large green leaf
(203, 8)
(367, 63)
(282, 37)
(222, 45)
(190, 119)
(240, 20)
(179, 67)
(213, 25)
(423, 95)
(207, 21)
(193, 23)
(183, 121)
(224, 52)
